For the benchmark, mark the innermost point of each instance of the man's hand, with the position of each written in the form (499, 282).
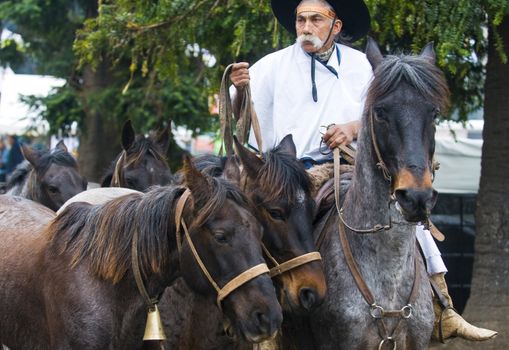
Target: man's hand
(240, 75)
(341, 134)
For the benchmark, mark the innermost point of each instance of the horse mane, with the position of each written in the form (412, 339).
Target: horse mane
(142, 146)
(210, 164)
(134, 155)
(45, 160)
(19, 175)
(417, 71)
(282, 176)
(102, 234)
(56, 156)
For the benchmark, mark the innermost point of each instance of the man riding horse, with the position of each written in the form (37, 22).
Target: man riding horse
(317, 82)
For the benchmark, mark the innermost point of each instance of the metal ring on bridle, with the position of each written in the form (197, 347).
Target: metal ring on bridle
(406, 311)
(389, 339)
(376, 311)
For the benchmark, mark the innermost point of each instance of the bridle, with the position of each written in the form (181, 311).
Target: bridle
(222, 293)
(233, 284)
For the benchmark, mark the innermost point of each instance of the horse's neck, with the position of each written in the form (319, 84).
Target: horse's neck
(367, 200)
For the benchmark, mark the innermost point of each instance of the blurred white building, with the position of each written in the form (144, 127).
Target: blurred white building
(15, 116)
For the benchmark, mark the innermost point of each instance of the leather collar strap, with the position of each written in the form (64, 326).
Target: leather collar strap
(278, 268)
(233, 284)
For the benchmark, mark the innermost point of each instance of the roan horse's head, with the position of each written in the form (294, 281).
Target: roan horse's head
(55, 176)
(279, 186)
(227, 237)
(142, 163)
(405, 98)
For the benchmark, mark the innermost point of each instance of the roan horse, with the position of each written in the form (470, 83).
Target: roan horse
(49, 178)
(279, 186)
(142, 162)
(70, 283)
(390, 192)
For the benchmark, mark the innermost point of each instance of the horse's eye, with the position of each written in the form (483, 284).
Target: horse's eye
(276, 214)
(220, 237)
(53, 189)
(380, 114)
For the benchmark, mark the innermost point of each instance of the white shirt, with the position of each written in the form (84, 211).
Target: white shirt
(281, 91)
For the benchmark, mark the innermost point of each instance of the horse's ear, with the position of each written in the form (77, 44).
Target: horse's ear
(196, 182)
(428, 52)
(61, 146)
(30, 155)
(288, 146)
(373, 53)
(163, 138)
(248, 159)
(231, 170)
(128, 135)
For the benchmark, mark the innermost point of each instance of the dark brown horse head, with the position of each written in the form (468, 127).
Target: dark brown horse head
(279, 186)
(54, 177)
(405, 98)
(228, 239)
(142, 163)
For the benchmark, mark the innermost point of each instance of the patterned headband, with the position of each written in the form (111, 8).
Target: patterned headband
(321, 10)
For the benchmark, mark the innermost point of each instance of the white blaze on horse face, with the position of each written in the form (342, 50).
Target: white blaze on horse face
(151, 170)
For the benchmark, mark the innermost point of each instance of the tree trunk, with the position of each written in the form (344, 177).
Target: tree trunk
(100, 141)
(488, 305)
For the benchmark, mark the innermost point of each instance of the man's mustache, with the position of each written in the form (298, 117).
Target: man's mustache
(315, 40)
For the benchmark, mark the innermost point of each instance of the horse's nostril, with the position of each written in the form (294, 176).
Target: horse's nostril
(307, 298)
(263, 322)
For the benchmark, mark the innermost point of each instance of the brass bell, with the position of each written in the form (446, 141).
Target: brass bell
(154, 328)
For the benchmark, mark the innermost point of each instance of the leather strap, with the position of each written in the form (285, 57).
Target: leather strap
(245, 120)
(295, 262)
(241, 279)
(137, 273)
(380, 164)
(178, 216)
(116, 179)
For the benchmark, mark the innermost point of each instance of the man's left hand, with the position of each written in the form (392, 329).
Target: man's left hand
(341, 134)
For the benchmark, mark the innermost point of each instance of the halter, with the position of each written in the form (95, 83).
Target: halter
(279, 269)
(233, 284)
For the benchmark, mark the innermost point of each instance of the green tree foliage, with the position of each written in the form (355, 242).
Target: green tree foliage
(169, 55)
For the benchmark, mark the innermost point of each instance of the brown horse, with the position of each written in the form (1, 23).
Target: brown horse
(49, 178)
(142, 162)
(280, 188)
(68, 283)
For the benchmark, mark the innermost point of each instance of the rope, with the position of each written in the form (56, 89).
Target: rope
(244, 121)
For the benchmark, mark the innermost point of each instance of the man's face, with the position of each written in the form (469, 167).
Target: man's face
(314, 29)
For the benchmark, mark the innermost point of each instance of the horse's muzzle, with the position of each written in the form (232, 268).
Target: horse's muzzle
(416, 205)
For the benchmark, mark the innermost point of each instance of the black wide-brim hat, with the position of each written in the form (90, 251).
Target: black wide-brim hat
(353, 13)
